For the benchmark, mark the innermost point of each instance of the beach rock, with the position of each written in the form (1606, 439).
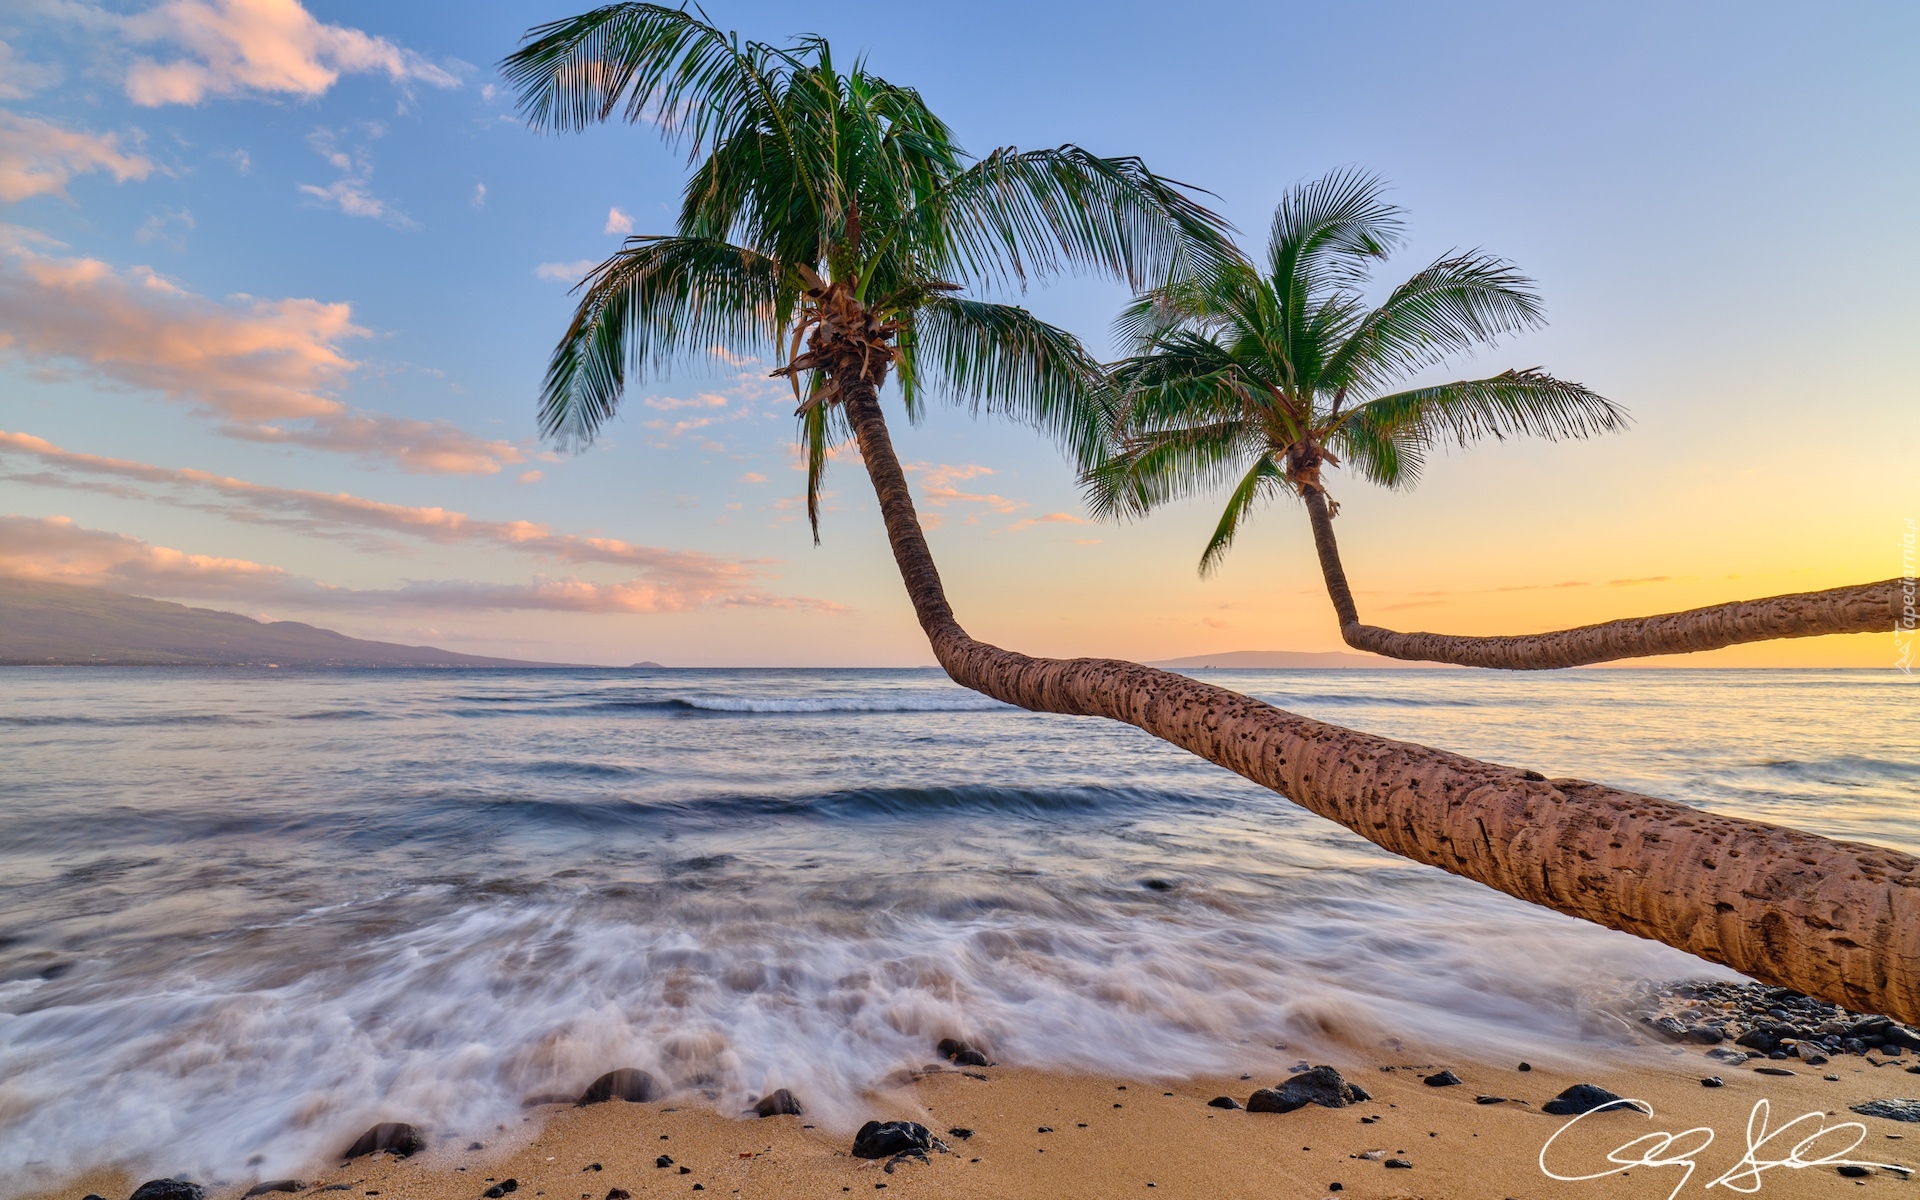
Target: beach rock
(1223, 1102)
(1771, 1071)
(956, 1051)
(1443, 1079)
(1892, 1110)
(394, 1137)
(1852, 1171)
(778, 1104)
(663, 1161)
(1581, 1098)
(1489, 1099)
(627, 1083)
(1706, 1035)
(960, 1132)
(1713, 1081)
(1320, 1085)
(1398, 1164)
(1526, 1066)
(884, 1139)
(276, 1185)
(686, 1170)
(1732, 1058)
(169, 1189)
(475, 1146)
(619, 1194)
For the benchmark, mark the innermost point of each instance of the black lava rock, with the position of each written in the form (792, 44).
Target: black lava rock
(619, 1194)
(169, 1189)
(1321, 1085)
(1443, 1079)
(1526, 1066)
(1581, 1098)
(1852, 1171)
(884, 1139)
(1713, 1081)
(395, 1137)
(1706, 1035)
(778, 1104)
(494, 1192)
(956, 1051)
(1489, 1099)
(959, 1132)
(1399, 1164)
(1771, 1071)
(276, 1185)
(1892, 1110)
(1223, 1102)
(627, 1083)
(664, 1160)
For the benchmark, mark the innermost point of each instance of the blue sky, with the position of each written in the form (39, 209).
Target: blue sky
(311, 254)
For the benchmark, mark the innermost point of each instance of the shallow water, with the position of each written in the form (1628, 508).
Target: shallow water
(252, 912)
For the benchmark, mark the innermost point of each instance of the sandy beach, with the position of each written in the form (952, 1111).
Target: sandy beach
(1117, 1136)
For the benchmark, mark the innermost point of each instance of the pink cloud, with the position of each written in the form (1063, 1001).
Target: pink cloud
(233, 47)
(57, 550)
(1059, 518)
(326, 513)
(37, 157)
(255, 363)
(937, 487)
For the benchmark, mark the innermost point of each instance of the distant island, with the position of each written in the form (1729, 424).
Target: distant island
(57, 624)
(1261, 659)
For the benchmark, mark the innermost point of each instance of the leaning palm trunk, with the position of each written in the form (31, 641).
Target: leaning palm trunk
(1837, 920)
(1861, 608)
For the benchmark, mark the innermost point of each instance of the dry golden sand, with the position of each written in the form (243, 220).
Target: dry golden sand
(1121, 1137)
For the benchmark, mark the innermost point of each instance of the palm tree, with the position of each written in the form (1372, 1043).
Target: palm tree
(1265, 378)
(835, 209)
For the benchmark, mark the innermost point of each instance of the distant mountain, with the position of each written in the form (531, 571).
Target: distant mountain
(1263, 659)
(56, 624)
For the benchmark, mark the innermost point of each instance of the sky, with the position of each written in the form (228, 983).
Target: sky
(278, 284)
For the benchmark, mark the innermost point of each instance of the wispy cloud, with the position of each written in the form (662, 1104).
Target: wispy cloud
(340, 513)
(168, 227)
(938, 490)
(38, 157)
(1059, 518)
(58, 550)
(20, 78)
(352, 192)
(240, 47)
(568, 273)
(266, 368)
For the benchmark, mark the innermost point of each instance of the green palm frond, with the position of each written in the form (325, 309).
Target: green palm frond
(1018, 213)
(1153, 468)
(1529, 402)
(1326, 235)
(1003, 359)
(1260, 481)
(1460, 301)
(658, 300)
(649, 63)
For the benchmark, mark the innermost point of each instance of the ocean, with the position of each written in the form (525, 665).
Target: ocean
(245, 914)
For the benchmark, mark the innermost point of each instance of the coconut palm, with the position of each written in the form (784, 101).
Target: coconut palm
(1264, 377)
(833, 209)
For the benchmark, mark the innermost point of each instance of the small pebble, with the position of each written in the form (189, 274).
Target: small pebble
(1400, 1163)
(1713, 1081)
(1526, 1066)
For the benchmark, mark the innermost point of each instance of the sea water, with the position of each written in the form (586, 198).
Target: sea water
(249, 913)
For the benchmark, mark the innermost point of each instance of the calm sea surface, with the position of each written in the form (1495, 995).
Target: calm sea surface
(249, 913)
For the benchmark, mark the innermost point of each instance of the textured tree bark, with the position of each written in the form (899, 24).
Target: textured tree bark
(1839, 920)
(1862, 608)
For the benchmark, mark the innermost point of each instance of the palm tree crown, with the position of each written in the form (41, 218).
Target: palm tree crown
(1264, 375)
(835, 208)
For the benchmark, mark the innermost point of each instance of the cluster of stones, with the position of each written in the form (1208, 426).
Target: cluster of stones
(1772, 1021)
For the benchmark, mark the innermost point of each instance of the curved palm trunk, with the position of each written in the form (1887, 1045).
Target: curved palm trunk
(1838, 920)
(1862, 608)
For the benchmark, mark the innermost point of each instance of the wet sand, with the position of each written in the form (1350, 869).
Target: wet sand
(1116, 1137)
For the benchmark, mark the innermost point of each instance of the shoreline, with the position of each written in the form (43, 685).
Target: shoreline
(1117, 1135)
